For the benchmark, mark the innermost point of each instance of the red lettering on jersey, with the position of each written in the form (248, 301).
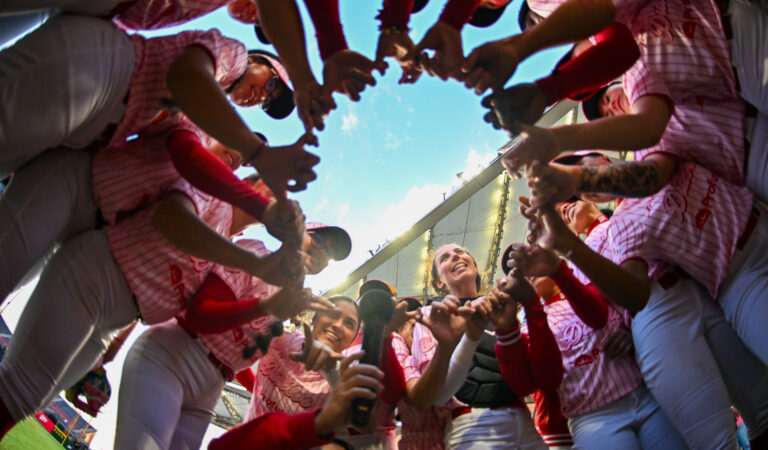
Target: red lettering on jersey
(583, 360)
(702, 217)
(237, 334)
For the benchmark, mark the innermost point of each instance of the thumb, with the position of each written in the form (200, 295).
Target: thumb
(413, 54)
(471, 61)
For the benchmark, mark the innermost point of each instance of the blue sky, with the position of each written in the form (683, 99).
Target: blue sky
(387, 159)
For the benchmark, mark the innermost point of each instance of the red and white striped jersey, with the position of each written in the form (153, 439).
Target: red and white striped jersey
(694, 222)
(284, 385)
(124, 181)
(625, 9)
(421, 429)
(144, 109)
(590, 379)
(153, 14)
(597, 240)
(162, 277)
(701, 129)
(228, 346)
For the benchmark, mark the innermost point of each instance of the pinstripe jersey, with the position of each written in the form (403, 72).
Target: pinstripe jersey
(597, 240)
(124, 181)
(162, 277)
(153, 14)
(284, 385)
(590, 379)
(421, 429)
(144, 110)
(228, 346)
(707, 131)
(694, 222)
(625, 9)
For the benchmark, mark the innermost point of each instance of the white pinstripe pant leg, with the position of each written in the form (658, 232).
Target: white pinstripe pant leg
(678, 366)
(61, 84)
(82, 294)
(744, 293)
(49, 200)
(167, 392)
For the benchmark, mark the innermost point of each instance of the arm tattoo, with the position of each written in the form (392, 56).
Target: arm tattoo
(632, 179)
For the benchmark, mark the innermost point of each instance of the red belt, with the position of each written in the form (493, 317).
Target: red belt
(748, 229)
(461, 410)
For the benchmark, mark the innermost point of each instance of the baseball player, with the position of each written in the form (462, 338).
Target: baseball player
(119, 85)
(314, 428)
(680, 312)
(66, 192)
(602, 392)
(104, 279)
(174, 373)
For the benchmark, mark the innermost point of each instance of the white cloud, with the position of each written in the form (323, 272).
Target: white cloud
(349, 122)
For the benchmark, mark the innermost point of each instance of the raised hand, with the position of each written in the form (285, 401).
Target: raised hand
(315, 355)
(503, 308)
(400, 316)
(397, 45)
(522, 103)
(535, 226)
(552, 183)
(286, 168)
(287, 303)
(348, 73)
(445, 322)
(477, 320)
(518, 288)
(355, 381)
(285, 221)
(449, 53)
(533, 261)
(284, 267)
(313, 105)
(555, 234)
(490, 65)
(538, 144)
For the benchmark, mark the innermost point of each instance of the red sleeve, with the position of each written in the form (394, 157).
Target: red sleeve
(458, 12)
(514, 366)
(395, 13)
(215, 309)
(587, 301)
(209, 174)
(546, 362)
(273, 430)
(394, 377)
(247, 378)
(614, 52)
(325, 17)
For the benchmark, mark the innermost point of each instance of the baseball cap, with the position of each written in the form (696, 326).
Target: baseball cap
(283, 105)
(376, 284)
(591, 105)
(413, 303)
(340, 240)
(485, 17)
(260, 34)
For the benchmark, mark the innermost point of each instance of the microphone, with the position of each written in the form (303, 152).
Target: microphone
(376, 309)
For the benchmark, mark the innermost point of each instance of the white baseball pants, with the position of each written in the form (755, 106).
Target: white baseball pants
(634, 421)
(749, 50)
(82, 295)
(49, 200)
(485, 428)
(62, 84)
(168, 391)
(679, 368)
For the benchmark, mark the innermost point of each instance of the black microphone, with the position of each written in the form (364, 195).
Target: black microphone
(376, 309)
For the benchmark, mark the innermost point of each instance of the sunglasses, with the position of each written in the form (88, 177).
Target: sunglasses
(270, 88)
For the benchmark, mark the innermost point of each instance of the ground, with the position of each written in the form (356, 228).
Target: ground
(29, 434)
